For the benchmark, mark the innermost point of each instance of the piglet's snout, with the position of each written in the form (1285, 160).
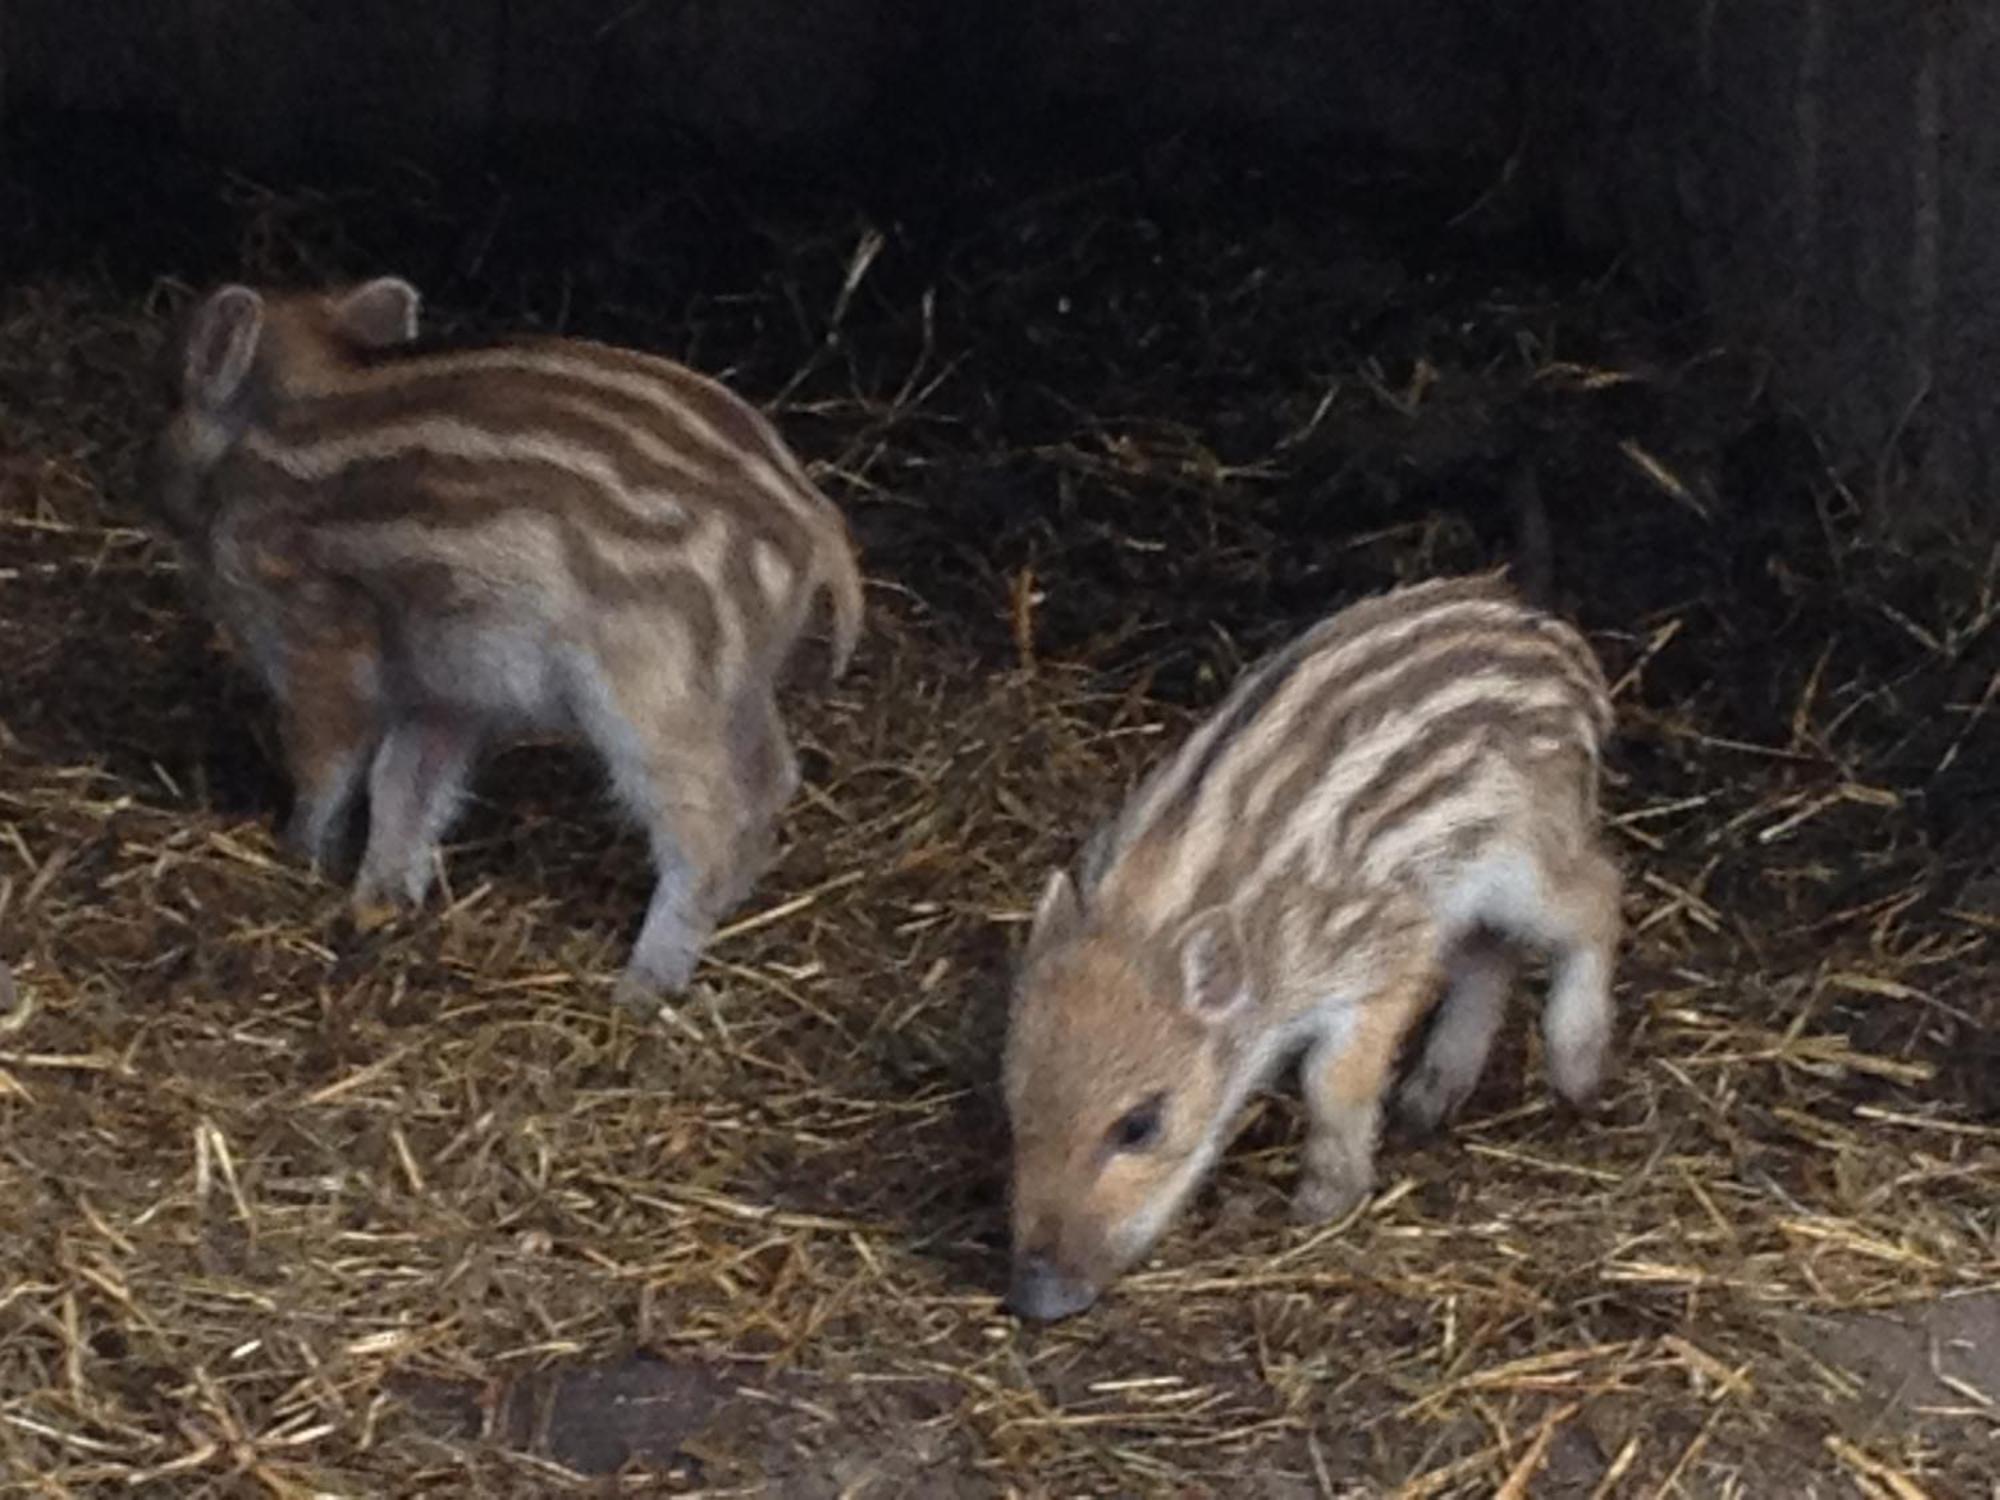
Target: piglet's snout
(1043, 1292)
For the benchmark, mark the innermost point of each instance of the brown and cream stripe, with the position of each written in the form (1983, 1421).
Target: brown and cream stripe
(1356, 750)
(642, 459)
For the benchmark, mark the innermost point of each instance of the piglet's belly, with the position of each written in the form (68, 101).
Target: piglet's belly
(511, 674)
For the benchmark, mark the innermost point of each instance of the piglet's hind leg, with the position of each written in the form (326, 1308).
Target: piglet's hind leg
(767, 774)
(675, 778)
(692, 840)
(1577, 1020)
(1478, 974)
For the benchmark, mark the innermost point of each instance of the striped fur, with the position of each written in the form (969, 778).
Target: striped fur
(1393, 802)
(421, 549)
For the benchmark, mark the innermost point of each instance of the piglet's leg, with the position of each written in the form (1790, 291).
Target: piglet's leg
(673, 774)
(694, 834)
(1584, 922)
(1345, 1074)
(767, 776)
(1478, 974)
(323, 784)
(414, 790)
(329, 732)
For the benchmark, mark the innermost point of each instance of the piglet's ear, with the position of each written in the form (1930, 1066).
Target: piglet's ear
(220, 345)
(1215, 976)
(379, 313)
(1058, 914)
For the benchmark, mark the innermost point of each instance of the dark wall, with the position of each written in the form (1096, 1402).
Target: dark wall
(1820, 177)
(1823, 178)
(266, 78)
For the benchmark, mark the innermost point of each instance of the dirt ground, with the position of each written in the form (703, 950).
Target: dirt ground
(288, 1210)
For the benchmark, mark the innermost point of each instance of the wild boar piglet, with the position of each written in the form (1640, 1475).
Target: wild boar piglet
(420, 549)
(1389, 807)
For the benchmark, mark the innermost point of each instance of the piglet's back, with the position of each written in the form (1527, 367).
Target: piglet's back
(548, 477)
(1379, 738)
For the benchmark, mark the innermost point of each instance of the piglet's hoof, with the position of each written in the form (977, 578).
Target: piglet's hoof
(1428, 1101)
(635, 997)
(1587, 1109)
(370, 914)
(645, 992)
(1324, 1199)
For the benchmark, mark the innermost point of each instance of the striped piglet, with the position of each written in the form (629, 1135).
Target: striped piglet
(422, 549)
(1391, 801)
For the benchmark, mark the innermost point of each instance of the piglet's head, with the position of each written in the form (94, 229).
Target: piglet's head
(1118, 1079)
(238, 348)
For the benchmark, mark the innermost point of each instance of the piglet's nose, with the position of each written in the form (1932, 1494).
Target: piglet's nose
(1042, 1292)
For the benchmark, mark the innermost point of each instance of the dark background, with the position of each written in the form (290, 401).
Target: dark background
(1811, 177)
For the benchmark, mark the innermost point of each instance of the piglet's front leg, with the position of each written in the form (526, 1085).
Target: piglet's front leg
(1345, 1075)
(414, 790)
(329, 733)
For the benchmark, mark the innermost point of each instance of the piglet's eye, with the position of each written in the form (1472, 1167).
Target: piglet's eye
(1139, 1126)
